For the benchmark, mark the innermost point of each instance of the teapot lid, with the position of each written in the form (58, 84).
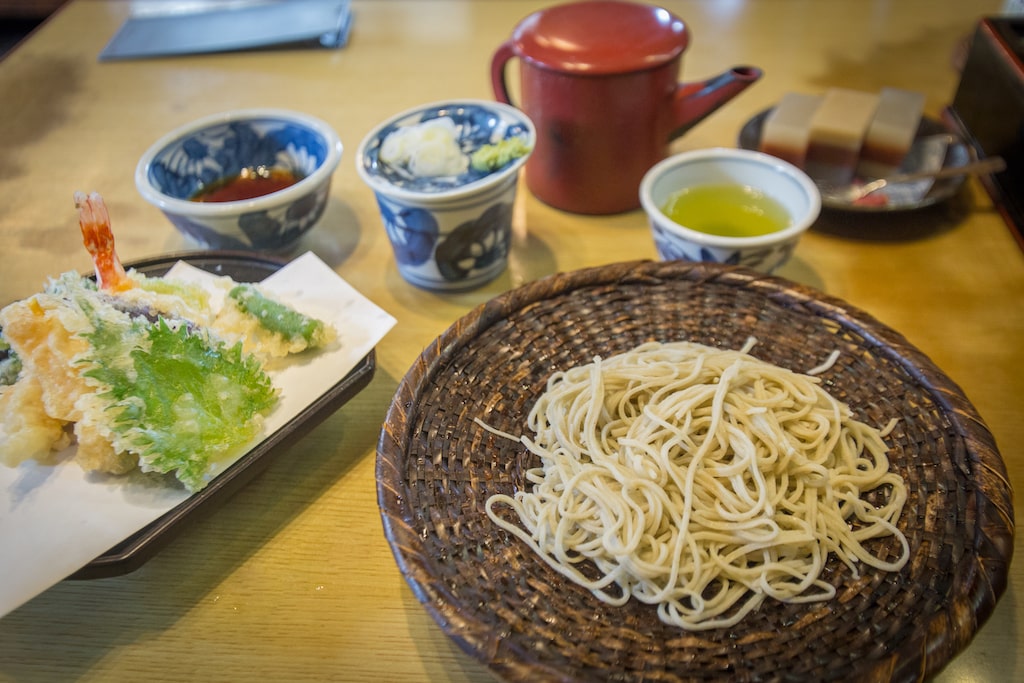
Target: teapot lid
(600, 37)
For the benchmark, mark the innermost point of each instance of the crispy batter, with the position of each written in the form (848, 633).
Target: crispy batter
(96, 454)
(27, 431)
(34, 329)
(47, 394)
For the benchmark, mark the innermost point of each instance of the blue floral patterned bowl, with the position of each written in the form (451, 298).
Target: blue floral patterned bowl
(777, 179)
(216, 148)
(449, 232)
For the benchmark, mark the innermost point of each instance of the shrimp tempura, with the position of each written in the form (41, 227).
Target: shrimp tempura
(94, 219)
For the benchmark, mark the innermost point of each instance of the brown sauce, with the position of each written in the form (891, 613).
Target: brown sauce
(250, 183)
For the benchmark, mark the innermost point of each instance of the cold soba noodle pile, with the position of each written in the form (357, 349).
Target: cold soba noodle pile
(701, 480)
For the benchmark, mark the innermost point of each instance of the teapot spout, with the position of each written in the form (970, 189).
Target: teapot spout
(693, 102)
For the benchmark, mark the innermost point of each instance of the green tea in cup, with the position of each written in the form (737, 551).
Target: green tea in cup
(727, 210)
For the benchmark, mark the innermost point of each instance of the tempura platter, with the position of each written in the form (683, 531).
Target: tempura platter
(57, 521)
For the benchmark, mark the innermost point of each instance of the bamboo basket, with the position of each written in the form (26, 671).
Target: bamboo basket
(504, 606)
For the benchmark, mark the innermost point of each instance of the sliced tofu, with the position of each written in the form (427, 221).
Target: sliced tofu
(838, 128)
(891, 132)
(787, 130)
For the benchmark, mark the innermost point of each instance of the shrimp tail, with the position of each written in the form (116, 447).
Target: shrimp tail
(98, 238)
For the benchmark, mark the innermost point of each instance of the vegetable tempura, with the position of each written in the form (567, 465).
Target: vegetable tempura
(141, 372)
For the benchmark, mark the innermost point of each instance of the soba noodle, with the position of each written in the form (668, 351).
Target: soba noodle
(702, 481)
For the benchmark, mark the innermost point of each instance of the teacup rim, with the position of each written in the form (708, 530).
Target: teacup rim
(785, 168)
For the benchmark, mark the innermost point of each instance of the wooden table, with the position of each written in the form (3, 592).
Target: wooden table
(292, 579)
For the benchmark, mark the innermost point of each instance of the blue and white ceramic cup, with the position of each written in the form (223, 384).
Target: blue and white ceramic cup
(449, 232)
(781, 181)
(221, 146)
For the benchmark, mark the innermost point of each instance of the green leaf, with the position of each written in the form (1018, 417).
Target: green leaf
(181, 401)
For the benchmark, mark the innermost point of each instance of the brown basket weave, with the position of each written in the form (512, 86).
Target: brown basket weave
(504, 606)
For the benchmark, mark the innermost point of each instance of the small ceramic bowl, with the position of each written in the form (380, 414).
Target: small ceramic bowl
(216, 148)
(777, 179)
(449, 232)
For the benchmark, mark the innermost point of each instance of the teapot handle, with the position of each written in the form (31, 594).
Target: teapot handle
(502, 55)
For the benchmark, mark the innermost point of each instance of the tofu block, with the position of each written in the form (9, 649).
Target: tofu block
(837, 133)
(786, 132)
(891, 132)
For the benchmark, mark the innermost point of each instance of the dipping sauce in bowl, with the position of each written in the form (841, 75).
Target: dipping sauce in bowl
(245, 179)
(727, 210)
(250, 183)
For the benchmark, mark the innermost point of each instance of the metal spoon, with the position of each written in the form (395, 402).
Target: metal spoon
(857, 192)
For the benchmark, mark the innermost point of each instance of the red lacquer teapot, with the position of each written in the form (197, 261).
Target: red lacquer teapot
(599, 79)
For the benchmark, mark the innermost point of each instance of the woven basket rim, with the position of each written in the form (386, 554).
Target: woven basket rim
(946, 633)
